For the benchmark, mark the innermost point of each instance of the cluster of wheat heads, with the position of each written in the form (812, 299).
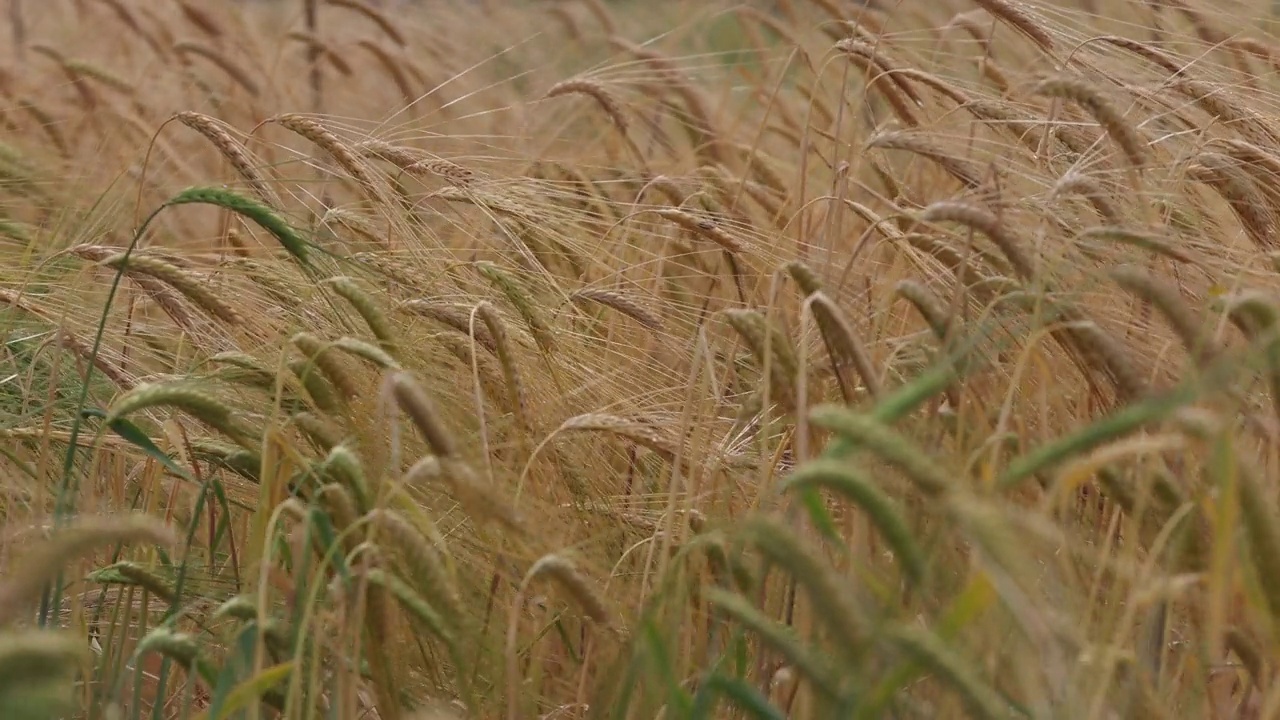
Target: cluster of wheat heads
(667, 360)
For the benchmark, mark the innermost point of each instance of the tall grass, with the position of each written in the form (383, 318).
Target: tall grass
(635, 360)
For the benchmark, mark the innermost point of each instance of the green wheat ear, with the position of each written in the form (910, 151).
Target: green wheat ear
(846, 481)
(182, 648)
(185, 396)
(780, 638)
(131, 573)
(18, 231)
(518, 295)
(1119, 424)
(369, 310)
(259, 213)
(37, 668)
(828, 593)
(890, 445)
(39, 565)
(30, 655)
(931, 652)
(907, 399)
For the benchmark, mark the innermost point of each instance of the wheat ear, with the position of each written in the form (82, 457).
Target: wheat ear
(596, 91)
(377, 321)
(316, 44)
(191, 287)
(131, 573)
(988, 224)
(481, 500)
(241, 77)
(415, 401)
(866, 431)
(624, 303)
(1091, 190)
(453, 317)
(932, 652)
(377, 17)
(637, 431)
(841, 478)
(1228, 110)
(509, 363)
(780, 638)
(770, 349)
(230, 148)
(393, 70)
(259, 213)
(426, 566)
(37, 566)
(962, 170)
(490, 379)
(126, 17)
(34, 656)
(203, 21)
(843, 345)
(896, 90)
(1223, 174)
(563, 573)
(1147, 52)
(190, 398)
(1121, 132)
(416, 162)
(1019, 19)
(832, 601)
(107, 362)
(1189, 327)
(702, 227)
(524, 304)
(321, 431)
(1143, 239)
(338, 150)
(711, 144)
(934, 312)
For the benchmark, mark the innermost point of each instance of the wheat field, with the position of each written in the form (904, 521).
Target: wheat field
(639, 359)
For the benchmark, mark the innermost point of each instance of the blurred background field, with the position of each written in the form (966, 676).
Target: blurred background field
(587, 359)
